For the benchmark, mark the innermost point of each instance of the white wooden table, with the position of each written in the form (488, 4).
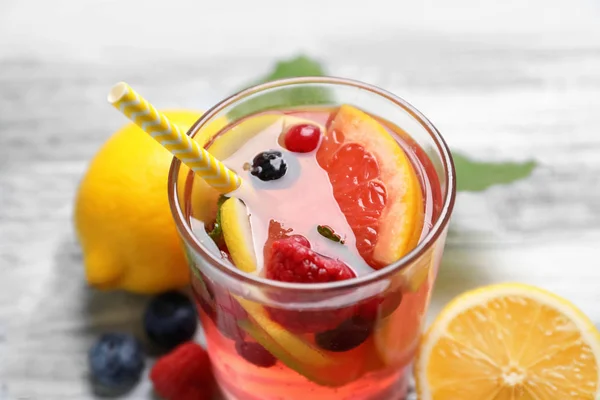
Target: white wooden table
(501, 82)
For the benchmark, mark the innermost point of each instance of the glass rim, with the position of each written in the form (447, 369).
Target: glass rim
(215, 261)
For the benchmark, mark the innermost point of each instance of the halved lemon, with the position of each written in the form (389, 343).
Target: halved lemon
(509, 342)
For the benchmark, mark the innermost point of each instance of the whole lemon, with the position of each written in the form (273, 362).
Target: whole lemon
(122, 215)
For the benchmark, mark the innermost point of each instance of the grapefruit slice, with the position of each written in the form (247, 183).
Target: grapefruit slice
(374, 184)
(509, 341)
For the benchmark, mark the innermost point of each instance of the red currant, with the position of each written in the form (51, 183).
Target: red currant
(302, 138)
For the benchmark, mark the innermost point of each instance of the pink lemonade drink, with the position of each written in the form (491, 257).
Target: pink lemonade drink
(313, 278)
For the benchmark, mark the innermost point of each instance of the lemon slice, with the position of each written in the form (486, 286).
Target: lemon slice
(238, 234)
(509, 342)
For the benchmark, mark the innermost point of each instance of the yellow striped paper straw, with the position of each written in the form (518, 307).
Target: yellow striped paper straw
(168, 134)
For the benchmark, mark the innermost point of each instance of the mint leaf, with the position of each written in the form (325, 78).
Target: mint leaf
(327, 232)
(475, 176)
(472, 176)
(216, 234)
(289, 97)
(292, 68)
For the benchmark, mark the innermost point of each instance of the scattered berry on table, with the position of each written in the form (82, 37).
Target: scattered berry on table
(116, 362)
(302, 138)
(268, 165)
(184, 374)
(170, 319)
(255, 354)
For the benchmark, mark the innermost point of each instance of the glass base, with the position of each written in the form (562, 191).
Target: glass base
(397, 391)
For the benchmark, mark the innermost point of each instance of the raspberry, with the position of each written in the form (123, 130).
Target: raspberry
(293, 261)
(301, 240)
(184, 374)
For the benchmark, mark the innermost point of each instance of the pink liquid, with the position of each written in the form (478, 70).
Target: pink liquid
(304, 190)
(375, 368)
(242, 380)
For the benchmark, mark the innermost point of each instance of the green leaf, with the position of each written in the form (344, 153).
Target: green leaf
(475, 176)
(472, 176)
(289, 97)
(327, 232)
(216, 234)
(292, 68)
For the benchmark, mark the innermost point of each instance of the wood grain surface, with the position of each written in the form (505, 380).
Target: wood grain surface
(501, 80)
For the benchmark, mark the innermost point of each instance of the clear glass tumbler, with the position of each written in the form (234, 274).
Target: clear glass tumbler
(236, 308)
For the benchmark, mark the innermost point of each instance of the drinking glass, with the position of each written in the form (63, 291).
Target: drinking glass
(236, 307)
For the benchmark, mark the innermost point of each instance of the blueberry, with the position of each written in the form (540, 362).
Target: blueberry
(116, 362)
(348, 335)
(170, 319)
(268, 165)
(255, 354)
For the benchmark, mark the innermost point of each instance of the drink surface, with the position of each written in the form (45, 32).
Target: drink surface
(303, 198)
